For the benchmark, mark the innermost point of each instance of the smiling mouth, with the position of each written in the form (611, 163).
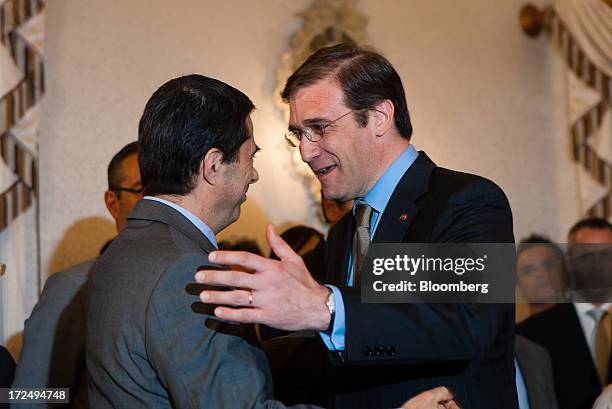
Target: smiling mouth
(325, 170)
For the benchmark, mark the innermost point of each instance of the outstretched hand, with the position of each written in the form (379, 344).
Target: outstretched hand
(279, 293)
(437, 398)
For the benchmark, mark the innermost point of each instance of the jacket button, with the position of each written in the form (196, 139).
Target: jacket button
(392, 351)
(377, 351)
(367, 351)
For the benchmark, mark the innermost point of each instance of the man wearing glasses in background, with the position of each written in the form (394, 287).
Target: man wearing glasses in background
(53, 353)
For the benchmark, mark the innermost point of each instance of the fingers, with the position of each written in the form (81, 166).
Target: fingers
(441, 394)
(241, 258)
(451, 405)
(228, 278)
(243, 315)
(236, 298)
(440, 397)
(278, 245)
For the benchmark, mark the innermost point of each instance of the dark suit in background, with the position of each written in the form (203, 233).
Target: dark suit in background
(398, 350)
(558, 330)
(535, 365)
(53, 352)
(150, 343)
(7, 371)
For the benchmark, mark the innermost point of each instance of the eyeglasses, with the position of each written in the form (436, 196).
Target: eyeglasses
(126, 189)
(313, 133)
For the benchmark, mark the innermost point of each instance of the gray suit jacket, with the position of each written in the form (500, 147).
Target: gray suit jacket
(53, 352)
(537, 373)
(150, 343)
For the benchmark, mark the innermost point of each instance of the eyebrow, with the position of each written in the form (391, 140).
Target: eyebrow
(315, 121)
(309, 122)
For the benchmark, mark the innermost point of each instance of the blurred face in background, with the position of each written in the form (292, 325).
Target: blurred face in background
(333, 210)
(590, 261)
(539, 273)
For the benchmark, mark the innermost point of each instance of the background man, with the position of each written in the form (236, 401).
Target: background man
(53, 353)
(570, 331)
(541, 272)
(350, 120)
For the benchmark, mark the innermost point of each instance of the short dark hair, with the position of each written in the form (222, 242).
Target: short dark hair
(114, 171)
(528, 242)
(366, 78)
(596, 223)
(184, 119)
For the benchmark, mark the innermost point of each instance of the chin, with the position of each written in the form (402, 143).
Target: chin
(336, 195)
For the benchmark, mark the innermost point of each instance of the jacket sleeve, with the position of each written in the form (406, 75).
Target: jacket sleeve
(54, 335)
(203, 362)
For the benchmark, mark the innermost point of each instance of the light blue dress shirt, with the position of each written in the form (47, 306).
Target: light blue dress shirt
(206, 231)
(521, 389)
(378, 198)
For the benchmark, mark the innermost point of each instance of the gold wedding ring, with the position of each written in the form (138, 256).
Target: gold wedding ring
(250, 297)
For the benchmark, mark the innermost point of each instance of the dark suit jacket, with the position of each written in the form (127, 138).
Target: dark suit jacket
(7, 371)
(394, 351)
(7, 368)
(535, 365)
(558, 330)
(53, 353)
(150, 343)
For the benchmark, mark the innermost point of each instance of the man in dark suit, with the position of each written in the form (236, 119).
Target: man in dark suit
(350, 120)
(53, 353)
(7, 371)
(568, 330)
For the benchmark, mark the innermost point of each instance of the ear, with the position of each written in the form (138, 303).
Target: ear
(112, 203)
(382, 115)
(211, 166)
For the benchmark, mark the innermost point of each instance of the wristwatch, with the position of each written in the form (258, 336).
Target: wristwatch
(330, 303)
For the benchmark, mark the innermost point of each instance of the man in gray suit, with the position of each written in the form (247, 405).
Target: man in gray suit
(53, 352)
(535, 371)
(150, 342)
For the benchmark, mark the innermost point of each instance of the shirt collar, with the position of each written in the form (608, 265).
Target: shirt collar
(583, 308)
(197, 222)
(378, 197)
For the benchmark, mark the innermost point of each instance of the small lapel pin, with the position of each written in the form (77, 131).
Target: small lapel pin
(403, 217)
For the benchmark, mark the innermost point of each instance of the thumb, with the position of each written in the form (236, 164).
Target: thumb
(278, 245)
(441, 394)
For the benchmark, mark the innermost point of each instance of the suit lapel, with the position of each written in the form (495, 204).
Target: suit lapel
(402, 208)
(150, 210)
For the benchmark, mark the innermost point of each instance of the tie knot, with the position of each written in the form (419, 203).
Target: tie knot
(363, 213)
(597, 314)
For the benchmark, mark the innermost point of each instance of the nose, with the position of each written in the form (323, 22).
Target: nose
(255, 177)
(309, 150)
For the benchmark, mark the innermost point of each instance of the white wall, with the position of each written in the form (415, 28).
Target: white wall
(483, 98)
